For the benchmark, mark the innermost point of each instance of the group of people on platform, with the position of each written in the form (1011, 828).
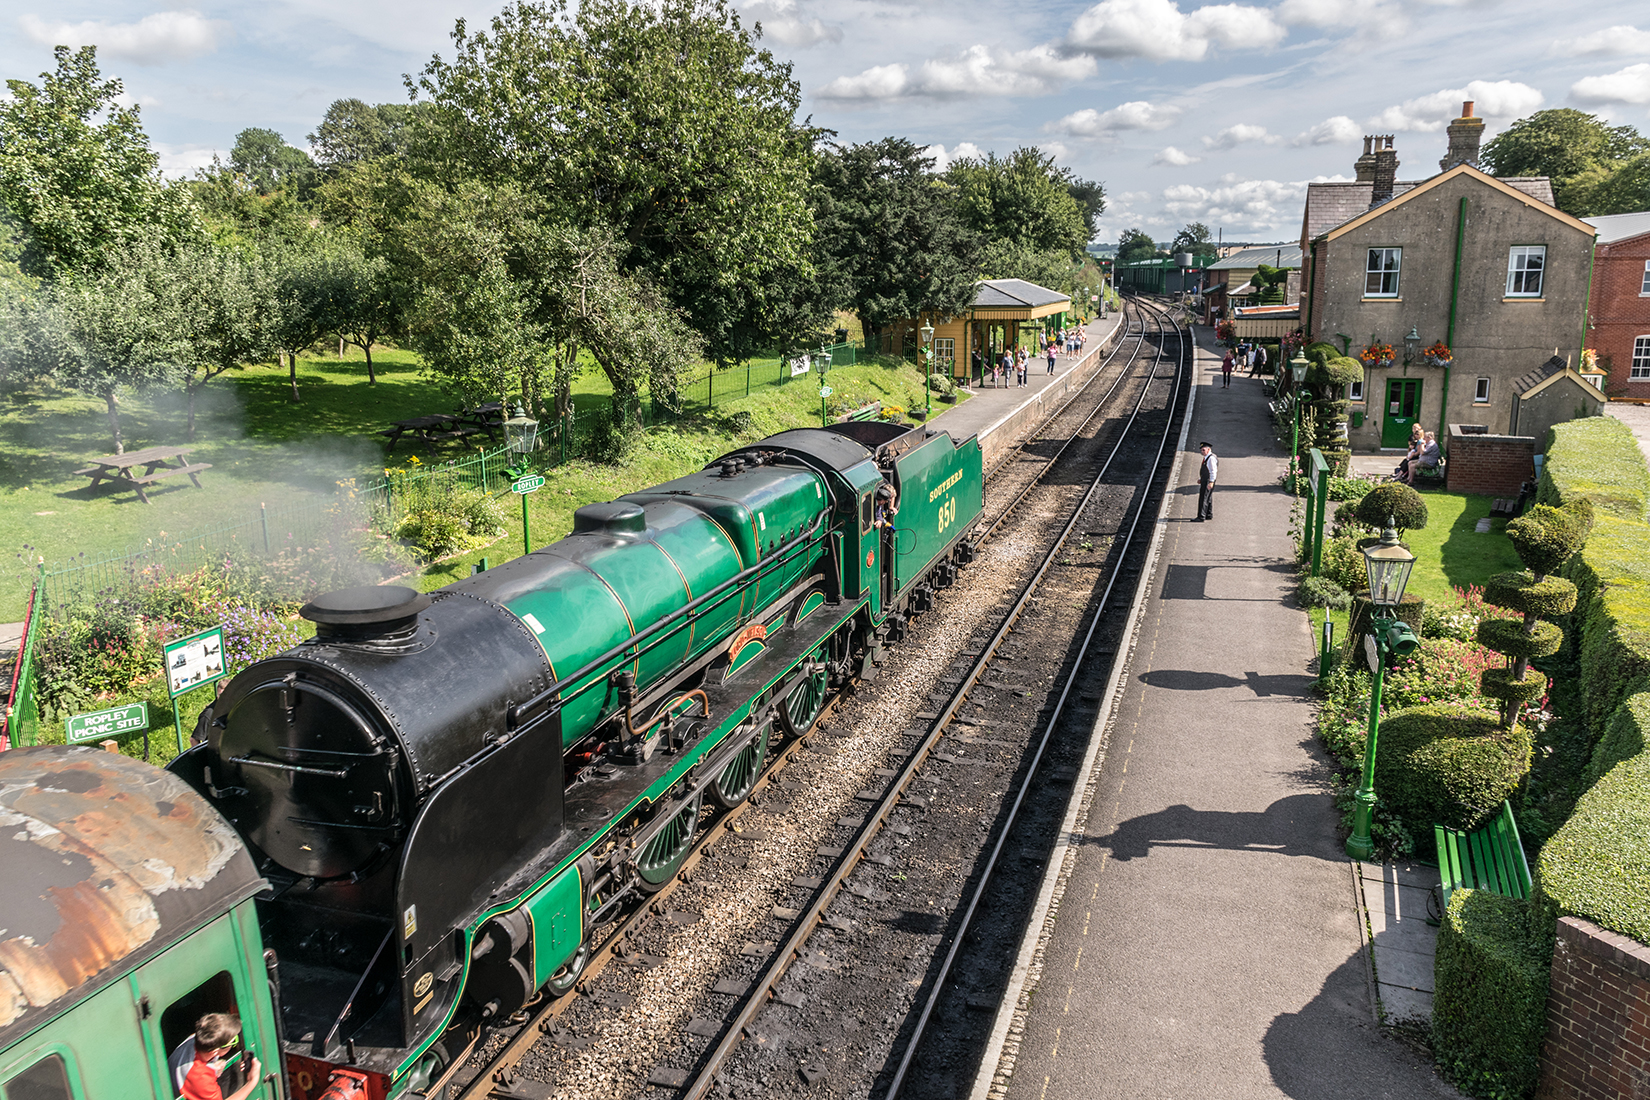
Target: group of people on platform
(1252, 356)
(1015, 363)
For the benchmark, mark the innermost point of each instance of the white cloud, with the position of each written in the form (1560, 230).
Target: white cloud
(153, 40)
(977, 71)
(1134, 196)
(1430, 113)
(1240, 134)
(1255, 203)
(1135, 115)
(1331, 131)
(182, 161)
(1056, 149)
(1630, 85)
(1174, 157)
(1386, 19)
(963, 150)
(781, 20)
(1160, 31)
(1611, 42)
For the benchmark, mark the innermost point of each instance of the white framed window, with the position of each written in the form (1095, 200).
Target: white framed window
(1525, 263)
(1641, 360)
(1355, 392)
(1381, 272)
(1481, 393)
(1644, 287)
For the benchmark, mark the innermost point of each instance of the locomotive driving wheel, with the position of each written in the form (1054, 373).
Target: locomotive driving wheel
(660, 859)
(739, 778)
(805, 698)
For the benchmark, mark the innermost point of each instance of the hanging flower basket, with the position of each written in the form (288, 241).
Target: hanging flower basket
(1438, 355)
(1377, 355)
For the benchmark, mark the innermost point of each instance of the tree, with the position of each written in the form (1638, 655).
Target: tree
(76, 170)
(1091, 198)
(1023, 199)
(1135, 245)
(223, 308)
(1624, 189)
(369, 302)
(268, 162)
(104, 335)
(308, 284)
(352, 132)
(1270, 281)
(1195, 238)
(893, 242)
(1572, 148)
(661, 121)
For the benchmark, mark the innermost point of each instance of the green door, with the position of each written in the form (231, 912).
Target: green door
(1403, 405)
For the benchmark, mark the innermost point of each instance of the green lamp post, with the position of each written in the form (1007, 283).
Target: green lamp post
(1298, 366)
(521, 432)
(927, 371)
(1388, 564)
(824, 358)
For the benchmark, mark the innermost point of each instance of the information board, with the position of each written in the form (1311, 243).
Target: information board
(801, 366)
(193, 661)
(113, 722)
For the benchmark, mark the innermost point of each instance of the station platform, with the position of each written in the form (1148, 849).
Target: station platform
(1201, 931)
(1002, 415)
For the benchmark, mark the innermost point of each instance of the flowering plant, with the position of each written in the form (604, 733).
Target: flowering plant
(1589, 359)
(1438, 354)
(1291, 343)
(1226, 331)
(1376, 355)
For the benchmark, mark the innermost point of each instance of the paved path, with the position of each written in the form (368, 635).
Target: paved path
(1637, 418)
(1207, 939)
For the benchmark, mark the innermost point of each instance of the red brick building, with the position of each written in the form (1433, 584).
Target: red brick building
(1619, 308)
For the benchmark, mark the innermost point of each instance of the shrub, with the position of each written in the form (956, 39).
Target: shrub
(1323, 592)
(1404, 506)
(1321, 352)
(435, 534)
(1521, 592)
(1489, 1005)
(1440, 671)
(1546, 537)
(1411, 610)
(1506, 636)
(1626, 735)
(1342, 564)
(1339, 372)
(1612, 615)
(1447, 765)
(1596, 458)
(1597, 866)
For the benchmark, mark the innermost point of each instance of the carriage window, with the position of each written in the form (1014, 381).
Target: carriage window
(865, 513)
(47, 1079)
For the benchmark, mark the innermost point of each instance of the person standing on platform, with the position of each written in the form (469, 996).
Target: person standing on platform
(1258, 363)
(1207, 471)
(1226, 365)
(1051, 358)
(1021, 361)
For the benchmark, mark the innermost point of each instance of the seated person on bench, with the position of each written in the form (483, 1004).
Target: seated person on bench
(1429, 458)
(1417, 437)
(200, 1061)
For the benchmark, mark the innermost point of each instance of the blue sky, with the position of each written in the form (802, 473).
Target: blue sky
(1219, 113)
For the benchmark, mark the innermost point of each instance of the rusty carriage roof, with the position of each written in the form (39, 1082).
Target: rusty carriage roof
(104, 861)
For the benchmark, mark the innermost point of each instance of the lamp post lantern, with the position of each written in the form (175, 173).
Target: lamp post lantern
(1298, 366)
(1388, 564)
(927, 370)
(1412, 345)
(521, 432)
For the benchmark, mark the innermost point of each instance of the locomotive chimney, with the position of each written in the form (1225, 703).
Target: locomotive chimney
(369, 613)
(1465, 133)
(1385, 174)
(1364, 166)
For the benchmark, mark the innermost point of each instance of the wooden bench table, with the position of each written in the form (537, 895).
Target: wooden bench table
(1490, 858)
(157, 463)
(433, 429)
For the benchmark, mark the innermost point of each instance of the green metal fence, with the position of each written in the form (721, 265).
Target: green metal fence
(719, 386)
(22, 715)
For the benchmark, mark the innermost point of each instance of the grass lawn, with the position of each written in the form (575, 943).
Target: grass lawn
(264, 448)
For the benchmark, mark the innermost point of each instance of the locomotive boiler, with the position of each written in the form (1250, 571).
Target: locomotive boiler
(447, 792)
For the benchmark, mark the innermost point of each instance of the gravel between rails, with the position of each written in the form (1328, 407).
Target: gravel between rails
(649, 1012)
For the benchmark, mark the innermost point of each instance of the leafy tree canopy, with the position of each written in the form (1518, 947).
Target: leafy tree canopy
(1024, 199)
(268, 162)
(352, 132)
(1135, 245)
(891, 234)
(661, 121)
(1576, 150)
(76, 170)
(1195, 238)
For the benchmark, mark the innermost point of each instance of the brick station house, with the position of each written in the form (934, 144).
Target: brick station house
(1619, 313)
(1489, 267)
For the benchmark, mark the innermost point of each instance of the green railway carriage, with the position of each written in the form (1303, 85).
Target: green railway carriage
(126, 914)
(448, 792)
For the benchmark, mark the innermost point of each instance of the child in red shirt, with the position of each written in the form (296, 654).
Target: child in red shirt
(217, 1035)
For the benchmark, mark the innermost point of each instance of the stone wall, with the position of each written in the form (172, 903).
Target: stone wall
(1493, 465)
(1598, 1017)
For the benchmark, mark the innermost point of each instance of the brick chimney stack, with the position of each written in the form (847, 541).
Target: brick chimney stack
(1464, 135)
(1364, 166)
(1384, 176)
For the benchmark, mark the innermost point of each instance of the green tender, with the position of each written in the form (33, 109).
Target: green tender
(1490, 858)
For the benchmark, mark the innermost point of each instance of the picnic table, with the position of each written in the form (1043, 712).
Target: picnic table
(157, 463)
(432, 429)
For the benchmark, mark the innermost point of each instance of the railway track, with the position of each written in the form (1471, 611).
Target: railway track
(505, 1064)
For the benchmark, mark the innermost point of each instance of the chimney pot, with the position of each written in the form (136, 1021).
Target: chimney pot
(1465, 134)
(1383, 172)
(1466, 109)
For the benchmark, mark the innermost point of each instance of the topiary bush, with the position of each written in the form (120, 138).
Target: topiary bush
(1489, 1002)
(1597, 866)
(1447, 765)
(1323, 592)
(1338, 372)
(1545, 537)
(1394, 500)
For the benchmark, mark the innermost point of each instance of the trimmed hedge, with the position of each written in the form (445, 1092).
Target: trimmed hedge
(1507, 637)
(1497, 683)
(1338, 371)
(1597, 866)
(1489, 1005)
(1596, 459)
(1612, 617)
(1625, 736)
(1546, 537)
(1447, 765)
(1521, 592)
(1403, 505)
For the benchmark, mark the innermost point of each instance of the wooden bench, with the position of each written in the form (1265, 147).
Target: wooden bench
(170, 471)
(1490, 858)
